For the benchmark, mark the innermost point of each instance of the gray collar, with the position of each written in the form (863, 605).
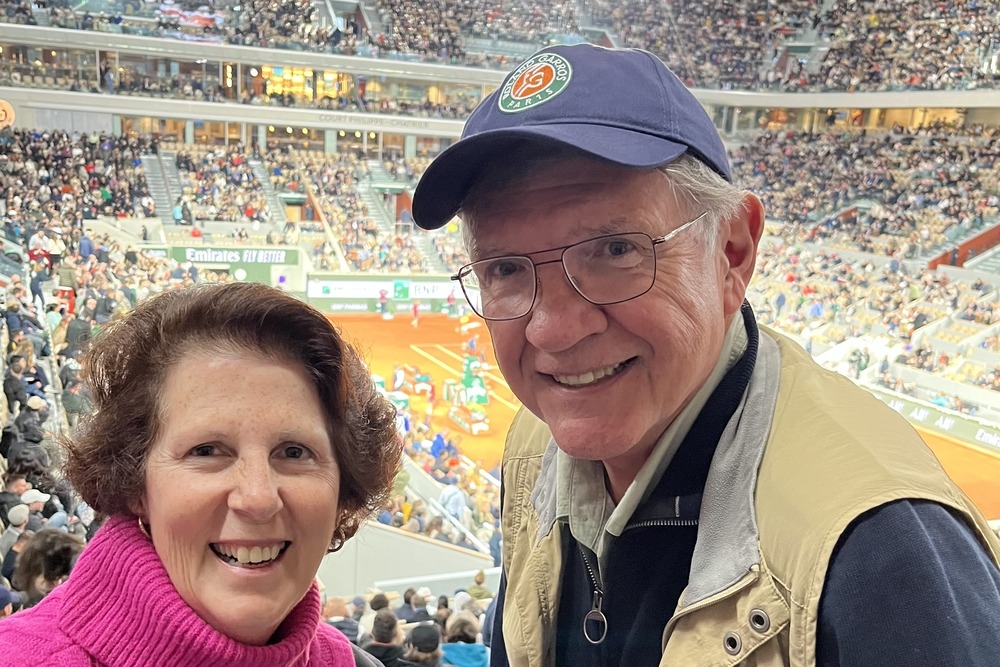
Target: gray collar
(727, 545)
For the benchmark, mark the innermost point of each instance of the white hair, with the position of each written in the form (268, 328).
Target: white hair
(696, 187)
(700, 189)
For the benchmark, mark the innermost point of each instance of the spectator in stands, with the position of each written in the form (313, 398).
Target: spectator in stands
(320, 456)
(405, 610)
(664, 389)
(462, 647)
(335, 614)
(29, 421)
(378, 602)
(35, 500)
(424, 645)
(17, 519)
(357, 608)
(418, 609)
(13, 383)
(478, 591)
(8, 600)
(45, 563)
(14, 486)
(387, 639)
(21, 320)
(9, 567)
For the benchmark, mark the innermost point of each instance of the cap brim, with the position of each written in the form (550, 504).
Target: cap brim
(443, 186)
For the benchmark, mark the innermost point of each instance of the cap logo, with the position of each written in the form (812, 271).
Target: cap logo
(538, 79)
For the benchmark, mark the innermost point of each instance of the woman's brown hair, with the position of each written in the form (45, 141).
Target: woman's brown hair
(128, 362)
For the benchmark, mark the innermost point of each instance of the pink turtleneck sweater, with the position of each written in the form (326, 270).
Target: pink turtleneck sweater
(119, 609)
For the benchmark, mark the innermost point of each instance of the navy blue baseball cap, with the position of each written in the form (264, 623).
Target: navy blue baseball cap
(621, 105)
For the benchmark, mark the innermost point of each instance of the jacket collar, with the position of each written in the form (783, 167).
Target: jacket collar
(727, 544)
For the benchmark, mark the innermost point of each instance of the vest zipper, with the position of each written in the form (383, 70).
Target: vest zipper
(661, 522)
(595, 614)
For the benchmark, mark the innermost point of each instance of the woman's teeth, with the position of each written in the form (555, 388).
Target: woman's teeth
(243, 555)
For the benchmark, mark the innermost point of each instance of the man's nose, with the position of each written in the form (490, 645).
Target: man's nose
(560, 317)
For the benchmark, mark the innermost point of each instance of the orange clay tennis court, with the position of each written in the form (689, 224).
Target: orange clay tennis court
(437, 347)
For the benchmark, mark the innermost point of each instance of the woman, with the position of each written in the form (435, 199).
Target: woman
(461, 648)
(236, 439)
(44, 562)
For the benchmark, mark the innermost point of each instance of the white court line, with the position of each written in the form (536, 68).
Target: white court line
(435, 360)
(498, 378)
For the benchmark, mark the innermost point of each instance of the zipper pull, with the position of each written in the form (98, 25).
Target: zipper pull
(595, 615)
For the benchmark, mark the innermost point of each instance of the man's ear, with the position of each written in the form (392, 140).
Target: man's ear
(740, 235)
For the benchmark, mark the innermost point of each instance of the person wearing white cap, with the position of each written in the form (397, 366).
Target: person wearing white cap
(35, 500)
(17, 518)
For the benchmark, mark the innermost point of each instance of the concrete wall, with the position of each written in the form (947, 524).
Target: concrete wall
(379, 552)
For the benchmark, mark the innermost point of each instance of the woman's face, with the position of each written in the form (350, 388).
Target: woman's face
(241, 489)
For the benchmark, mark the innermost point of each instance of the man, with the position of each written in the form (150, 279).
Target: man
(14, 486)
(35, 500)
(684, 487)
(418, 609)
(378, 602)
(336, 614)
(387, 641)
(13, 383)
(29, 423)
(405, 611)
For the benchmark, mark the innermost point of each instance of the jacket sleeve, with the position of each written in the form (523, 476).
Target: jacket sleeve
(498, 650)
(909, 585)
(364, 659)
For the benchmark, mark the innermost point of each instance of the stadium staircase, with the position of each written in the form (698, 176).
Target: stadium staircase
(385, 219)
(369, 193)
(168, 167)
(988, 262)
(424, 242)
(327, 15)
(373, 17)
(159, 189)
(274, 202)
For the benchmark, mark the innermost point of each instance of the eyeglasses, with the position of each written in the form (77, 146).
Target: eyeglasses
(604, 270)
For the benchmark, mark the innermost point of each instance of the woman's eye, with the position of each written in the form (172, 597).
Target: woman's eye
(296, 452)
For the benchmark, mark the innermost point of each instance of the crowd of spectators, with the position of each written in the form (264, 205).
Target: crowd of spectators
(423, 629)
(878, 192)
(71, 176)
(451, 251)
(868, 44)
(400, 168)
(919, 45)
(127, 80)
(96, 279)
(718, 44)
(222, 185)
(334, 180)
